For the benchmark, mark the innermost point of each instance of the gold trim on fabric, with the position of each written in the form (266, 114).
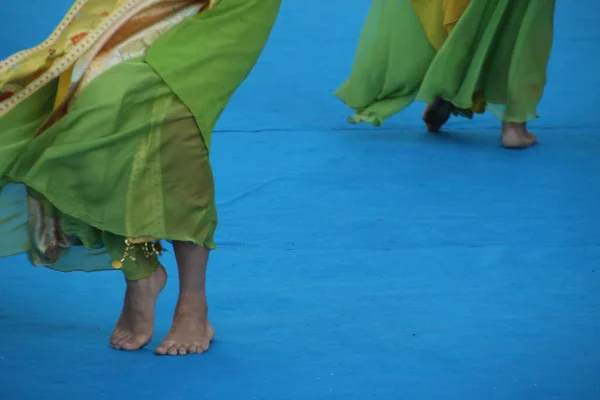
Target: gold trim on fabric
(102, 57)
(71, 14)
(133, 39)
(26, 72)
(80, 43)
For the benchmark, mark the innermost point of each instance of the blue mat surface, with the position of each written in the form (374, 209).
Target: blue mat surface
(354, 262)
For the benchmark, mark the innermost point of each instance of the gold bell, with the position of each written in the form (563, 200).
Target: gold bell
(116, 264)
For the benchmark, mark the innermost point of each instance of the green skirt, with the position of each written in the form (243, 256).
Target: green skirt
(130, 160)
(499, 49)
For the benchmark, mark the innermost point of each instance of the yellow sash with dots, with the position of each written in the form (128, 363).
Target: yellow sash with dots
(24, 73)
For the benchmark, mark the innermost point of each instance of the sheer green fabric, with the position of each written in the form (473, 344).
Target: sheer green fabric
(206, 57)
(500, 48)
(127, 161)
(131, 158)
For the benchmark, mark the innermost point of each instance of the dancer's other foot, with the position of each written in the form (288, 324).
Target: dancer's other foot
(191, 332)
(515, 136)
(437, 114)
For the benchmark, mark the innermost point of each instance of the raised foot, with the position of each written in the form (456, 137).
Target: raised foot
(136, 324)
(437, 114)
(191, 333)
(516, 136)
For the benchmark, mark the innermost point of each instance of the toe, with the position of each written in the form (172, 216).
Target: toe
(116, 336)
(136, 343)
(167, 348)
(183, 349)
(196, 348)
(533, 138)
(120, 341)
(204, 346)
(162, 349)
(433, 128)
(130, 346)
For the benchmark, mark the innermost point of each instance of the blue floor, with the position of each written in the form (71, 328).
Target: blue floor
(354, 262)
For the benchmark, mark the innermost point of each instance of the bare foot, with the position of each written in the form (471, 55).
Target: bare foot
(437, 114)
(531, 136)
(516, 136)
(191, 332)
(136, 324)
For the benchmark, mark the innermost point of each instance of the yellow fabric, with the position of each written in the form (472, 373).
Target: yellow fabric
(438, 18)
(64, 82)
(130, 40)
(24, 73)
(431, 14)
(83, 17)
(453, 10)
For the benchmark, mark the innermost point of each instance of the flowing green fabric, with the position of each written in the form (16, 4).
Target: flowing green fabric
(131, 158)
(499, 48)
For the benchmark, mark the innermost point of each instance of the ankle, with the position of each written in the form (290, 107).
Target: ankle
(192, 304)
(195, 316)
(513, 125)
